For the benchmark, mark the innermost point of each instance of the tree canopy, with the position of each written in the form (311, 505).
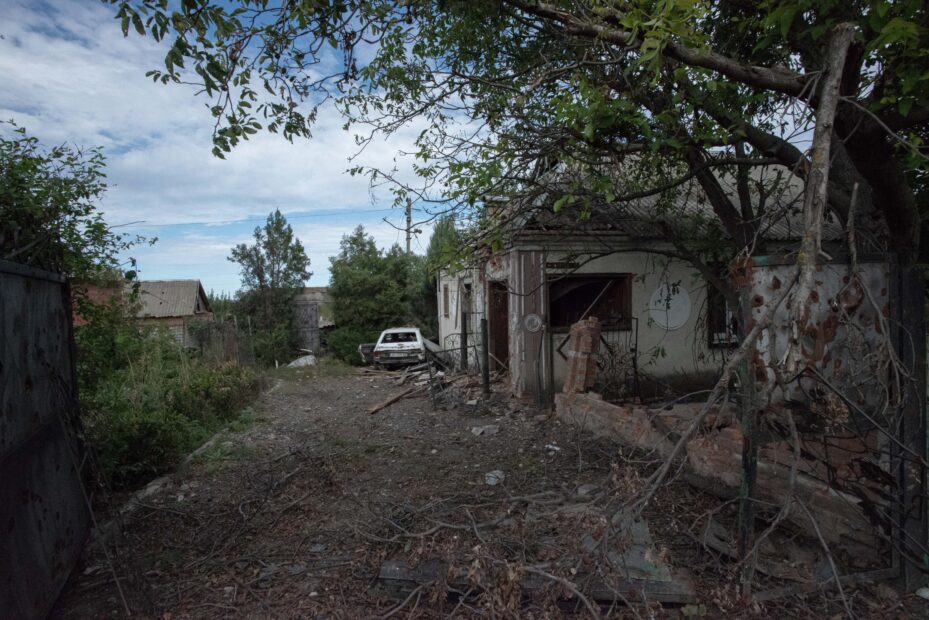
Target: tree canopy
(276, 260)
(49, 210)
(668, 92)
(273, 269)
(373, 290)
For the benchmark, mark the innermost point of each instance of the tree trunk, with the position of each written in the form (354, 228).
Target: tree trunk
(816, 194)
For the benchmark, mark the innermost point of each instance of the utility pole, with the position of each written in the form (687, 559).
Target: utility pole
(409, 223)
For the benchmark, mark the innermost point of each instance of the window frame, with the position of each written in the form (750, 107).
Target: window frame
(716, 302)
(624, 279)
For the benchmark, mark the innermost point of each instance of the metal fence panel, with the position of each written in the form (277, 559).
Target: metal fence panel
(43, 514)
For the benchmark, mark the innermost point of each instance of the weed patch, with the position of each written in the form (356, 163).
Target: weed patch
(154, 402)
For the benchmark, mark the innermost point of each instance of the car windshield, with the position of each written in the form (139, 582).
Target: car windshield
(399, 337)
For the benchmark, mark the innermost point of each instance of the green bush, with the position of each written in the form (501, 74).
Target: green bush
(153, 401)
(343, 343)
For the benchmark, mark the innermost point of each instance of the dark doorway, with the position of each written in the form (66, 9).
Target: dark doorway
(498, 325)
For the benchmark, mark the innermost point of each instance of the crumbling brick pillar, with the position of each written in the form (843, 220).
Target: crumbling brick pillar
(582, 356)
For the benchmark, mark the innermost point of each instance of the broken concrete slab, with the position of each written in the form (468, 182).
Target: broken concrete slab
(632, 551)
(306, 360)
(778, 556)
(713, 462)
(630, 425)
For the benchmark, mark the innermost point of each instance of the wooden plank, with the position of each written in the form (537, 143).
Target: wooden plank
(387, 403)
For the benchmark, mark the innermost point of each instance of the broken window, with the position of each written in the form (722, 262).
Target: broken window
(395, 337)
(721, 320)
(609, 298)
(445, 303)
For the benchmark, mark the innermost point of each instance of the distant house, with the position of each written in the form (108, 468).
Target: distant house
(312, 315)
(173, 304)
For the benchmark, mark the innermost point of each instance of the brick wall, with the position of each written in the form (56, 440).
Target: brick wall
(582, 356)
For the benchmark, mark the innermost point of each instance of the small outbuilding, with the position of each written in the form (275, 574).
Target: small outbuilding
(174, 305)
(313, 316)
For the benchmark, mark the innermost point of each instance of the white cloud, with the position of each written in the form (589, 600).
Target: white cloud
(70, 76)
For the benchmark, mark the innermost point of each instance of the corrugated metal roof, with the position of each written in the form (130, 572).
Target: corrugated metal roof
(777, 203)
(164, 298)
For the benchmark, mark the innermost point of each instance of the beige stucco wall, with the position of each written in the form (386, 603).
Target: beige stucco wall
(662, 352)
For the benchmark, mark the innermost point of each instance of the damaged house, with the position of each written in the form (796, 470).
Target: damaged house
(662, 325)
(600, 313)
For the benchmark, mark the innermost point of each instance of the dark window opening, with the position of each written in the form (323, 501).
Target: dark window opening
(445, 303)
(399, 337)
(721, 320)
(466, 298)
(608, 298)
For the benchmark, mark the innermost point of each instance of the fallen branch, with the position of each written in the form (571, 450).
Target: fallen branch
(722, 385)
(387, 403)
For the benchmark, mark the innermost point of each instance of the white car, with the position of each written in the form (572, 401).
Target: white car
(400, 346)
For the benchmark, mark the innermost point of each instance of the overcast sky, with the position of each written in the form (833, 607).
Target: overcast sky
(69, 76)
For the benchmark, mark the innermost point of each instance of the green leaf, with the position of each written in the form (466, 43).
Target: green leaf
(137, 22)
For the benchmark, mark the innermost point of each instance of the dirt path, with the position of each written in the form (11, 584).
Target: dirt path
(293, 515)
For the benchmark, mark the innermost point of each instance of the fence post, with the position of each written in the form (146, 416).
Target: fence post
(485, 357)
(911, 338)
(464, 339)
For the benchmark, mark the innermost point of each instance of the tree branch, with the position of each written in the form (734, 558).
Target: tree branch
(778, 79)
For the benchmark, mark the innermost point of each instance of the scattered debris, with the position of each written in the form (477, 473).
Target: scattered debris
(713, 463)
(401, 577)
(495, 477)
(303, 519)
(306, 360)
(487, 429)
